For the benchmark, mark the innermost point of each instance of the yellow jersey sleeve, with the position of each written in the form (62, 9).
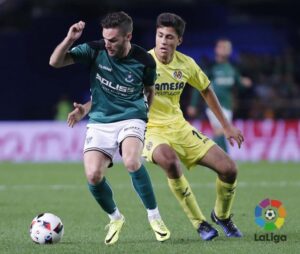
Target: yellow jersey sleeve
(197, 79)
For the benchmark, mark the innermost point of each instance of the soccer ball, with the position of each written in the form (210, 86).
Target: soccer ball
(270, 214)
(46, 228)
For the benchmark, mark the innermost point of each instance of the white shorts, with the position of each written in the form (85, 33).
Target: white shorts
(214, 121)
(107, 137)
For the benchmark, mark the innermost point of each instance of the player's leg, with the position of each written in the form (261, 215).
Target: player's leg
(226, 183)
(95, 164)
(158, 151)
(131, 148)
(167, 159)
(97, 159)
(218, 132)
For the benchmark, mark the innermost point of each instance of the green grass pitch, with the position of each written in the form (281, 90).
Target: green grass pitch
(27, 189)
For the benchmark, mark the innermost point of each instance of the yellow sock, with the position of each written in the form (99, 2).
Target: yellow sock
(183, 193)
(225, 196)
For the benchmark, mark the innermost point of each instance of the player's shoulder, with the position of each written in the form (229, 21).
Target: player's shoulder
(183, 58)
(96, 45)
(141, 55)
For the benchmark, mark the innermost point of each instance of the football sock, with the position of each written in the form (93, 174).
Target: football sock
(142, 185)
(225, 196)
(221, 142)
(103, 195)
(153, 214)
(183, 193)
(116, 215)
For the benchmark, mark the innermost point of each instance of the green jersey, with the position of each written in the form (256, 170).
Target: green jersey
(117, 84)
(223, 77)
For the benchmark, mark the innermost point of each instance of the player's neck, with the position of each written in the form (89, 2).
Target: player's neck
(220, 59)
(127, 49)
(164, 59)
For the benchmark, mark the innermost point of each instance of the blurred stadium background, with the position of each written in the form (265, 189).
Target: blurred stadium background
(266, 39)
(265, 35)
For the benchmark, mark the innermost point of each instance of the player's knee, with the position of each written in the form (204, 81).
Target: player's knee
(230, 171)
(172, 167)
(132, 164)
(93, 175)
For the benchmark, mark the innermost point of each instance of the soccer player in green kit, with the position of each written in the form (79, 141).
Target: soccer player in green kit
(171, 140)
(120, 72)
(223, 77)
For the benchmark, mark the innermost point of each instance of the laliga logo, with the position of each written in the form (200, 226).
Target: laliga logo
(270, 215)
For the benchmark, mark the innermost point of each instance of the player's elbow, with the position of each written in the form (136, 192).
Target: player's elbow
(54, 63)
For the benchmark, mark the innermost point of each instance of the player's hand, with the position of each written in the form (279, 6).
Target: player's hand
(231, 133)
(75, 31)
(191, 111)
(76, 115)
(247, 82)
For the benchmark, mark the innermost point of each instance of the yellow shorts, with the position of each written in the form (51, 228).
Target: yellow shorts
(189, 144)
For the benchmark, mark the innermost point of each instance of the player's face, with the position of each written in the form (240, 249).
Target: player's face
(115, 41)
(167, 41)
(223, 49)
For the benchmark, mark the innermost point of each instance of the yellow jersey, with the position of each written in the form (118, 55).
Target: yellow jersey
(170, 82)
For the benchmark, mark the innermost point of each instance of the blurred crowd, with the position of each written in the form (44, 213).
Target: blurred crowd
(275, 93)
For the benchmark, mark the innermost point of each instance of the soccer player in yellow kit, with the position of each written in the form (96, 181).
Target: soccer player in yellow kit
(171, 139)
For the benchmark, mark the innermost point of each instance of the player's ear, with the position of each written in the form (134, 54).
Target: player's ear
(129, 36)
(180, 41)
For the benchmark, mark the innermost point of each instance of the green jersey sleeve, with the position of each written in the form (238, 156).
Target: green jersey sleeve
(237, 78)
(149, 75)
(82, 53)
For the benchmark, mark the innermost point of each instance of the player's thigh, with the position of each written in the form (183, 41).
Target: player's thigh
(131, 138)
(190, 145)
(101, 138)
(131, 152)
(219, 161)
(153, 139)
(166, 157)
(132, 147)
(95, 165)
(132, 128)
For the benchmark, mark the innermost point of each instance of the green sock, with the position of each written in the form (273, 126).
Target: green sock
(103, 195)
(142, 184)
(221, 142)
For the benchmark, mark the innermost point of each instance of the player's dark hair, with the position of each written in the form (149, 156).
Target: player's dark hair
(171, 20)
(118, 19)
(223, 39)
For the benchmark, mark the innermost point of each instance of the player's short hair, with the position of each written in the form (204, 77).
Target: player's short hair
(224, 39)
(171, 20)
(118, 19)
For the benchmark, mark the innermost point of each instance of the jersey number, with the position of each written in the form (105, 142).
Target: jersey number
(195, 133)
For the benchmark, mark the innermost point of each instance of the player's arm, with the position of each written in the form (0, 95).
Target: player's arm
(60, 56)
(229, 130)
(242, 81)
(246, 82)
(79, 112)
(149, 91)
